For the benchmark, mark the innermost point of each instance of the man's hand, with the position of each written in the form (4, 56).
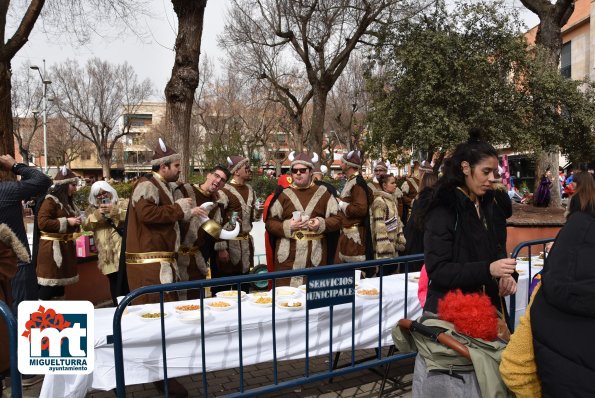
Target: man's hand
(72, 221)
(7, 162)
(297, 225)
(199, 212)
(314, 224)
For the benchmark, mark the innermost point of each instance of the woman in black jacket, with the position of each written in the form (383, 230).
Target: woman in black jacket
(460, 240)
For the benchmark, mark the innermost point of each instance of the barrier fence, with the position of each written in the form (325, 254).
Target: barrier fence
(330, 271)
(528, 245)
(317, 273)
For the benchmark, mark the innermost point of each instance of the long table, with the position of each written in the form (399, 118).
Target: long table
(143, 350)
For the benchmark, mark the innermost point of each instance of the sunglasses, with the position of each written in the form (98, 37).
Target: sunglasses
(299, 171)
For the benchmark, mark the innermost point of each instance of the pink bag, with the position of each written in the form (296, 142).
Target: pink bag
(422, 287)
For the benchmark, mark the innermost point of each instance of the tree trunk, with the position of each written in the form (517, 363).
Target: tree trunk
(7, 140)
(106, 166)
(318, 114)
(549, 37)
(179, 92)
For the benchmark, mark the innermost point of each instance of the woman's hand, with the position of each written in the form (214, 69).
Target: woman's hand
(503, 267)
(72, 221)
(506, 286)
(297, 225)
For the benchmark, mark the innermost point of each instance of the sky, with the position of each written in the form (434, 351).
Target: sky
(151, 56)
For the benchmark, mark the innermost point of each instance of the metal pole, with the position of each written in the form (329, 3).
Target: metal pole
(45, 126)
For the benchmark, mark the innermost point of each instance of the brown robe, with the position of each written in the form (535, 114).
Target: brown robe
(352, 242)
(240, 198)
(56, 260)
(11, 252)
(290, 253)
(153, 227)
(196, 244)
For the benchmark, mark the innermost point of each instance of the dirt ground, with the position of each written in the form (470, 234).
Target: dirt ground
(527, 214)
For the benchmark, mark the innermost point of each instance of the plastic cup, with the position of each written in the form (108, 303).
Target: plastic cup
(358, 276)
(297, 215)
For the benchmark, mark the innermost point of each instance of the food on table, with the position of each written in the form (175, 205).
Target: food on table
(264, 300)
(229, 293)
(151, 315)
(291, 304)
(260, 294)
(523, 258)
(285, 292)
(368, 292)
(188, 307)
(520, 271)
(219, 304)
(541, 256)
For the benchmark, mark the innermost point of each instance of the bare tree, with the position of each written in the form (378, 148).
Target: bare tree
(320, 35)
(26, 100)
(95, 97)
(22, 17)
(179, 91)
(65, 144)
(552, 17)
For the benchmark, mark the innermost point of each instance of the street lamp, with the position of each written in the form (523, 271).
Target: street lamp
(45, 82)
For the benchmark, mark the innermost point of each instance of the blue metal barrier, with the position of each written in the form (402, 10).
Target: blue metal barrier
(238, 281)
(528, 244)
(11, 324)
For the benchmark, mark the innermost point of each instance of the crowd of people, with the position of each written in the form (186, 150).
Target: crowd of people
(171, 231)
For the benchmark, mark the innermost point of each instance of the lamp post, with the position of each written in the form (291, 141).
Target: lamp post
(45, 111)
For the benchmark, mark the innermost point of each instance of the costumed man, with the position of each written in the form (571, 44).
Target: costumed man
(153, 233)
(236, 256)
(299, 219)
(410, 189)
(332, 238)
(355, 242)
(198, 238)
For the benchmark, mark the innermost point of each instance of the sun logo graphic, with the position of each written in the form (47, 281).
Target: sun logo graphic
(56, 337)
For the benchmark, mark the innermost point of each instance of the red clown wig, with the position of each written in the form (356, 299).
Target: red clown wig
(472, 314)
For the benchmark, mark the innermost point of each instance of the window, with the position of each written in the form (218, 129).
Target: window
(566, 60)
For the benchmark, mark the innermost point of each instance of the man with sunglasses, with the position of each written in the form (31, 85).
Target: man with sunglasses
(236, 256)
(197, 247)
(299, 220)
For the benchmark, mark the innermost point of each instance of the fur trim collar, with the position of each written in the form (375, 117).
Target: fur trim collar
(8, 237)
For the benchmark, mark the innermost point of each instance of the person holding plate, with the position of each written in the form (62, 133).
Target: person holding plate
(299, 219)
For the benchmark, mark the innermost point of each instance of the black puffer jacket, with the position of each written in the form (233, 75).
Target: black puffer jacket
(563, 313)
(459, 247)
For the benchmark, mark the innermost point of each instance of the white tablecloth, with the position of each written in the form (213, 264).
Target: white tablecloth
(522, 299)
(142, 339)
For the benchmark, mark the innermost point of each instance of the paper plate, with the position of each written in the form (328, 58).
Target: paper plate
(263, 301)
(231, 294)
(367, 292)
(219, 304)
(193, 317)
(151, 315)
(291, 304)
(284, 292)
(187, 308)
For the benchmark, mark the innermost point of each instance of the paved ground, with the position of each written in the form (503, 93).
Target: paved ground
(362, 384)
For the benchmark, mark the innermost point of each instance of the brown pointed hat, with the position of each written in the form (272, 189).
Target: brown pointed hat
(353, 159)
(426, 167)
(163, 154)
(234, 163)
(379, 164)
(303, 158)
(65, 176)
